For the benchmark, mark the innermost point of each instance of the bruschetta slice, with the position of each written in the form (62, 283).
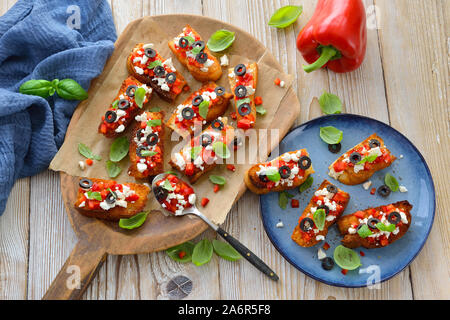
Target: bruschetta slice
(147, 145)
(124, 107)
(243, 80)
(288, 171)
(174, 194)
(313, 225)
(194, 54)
(204, 151)
(146, 65)
(359, 163)
(375, 227)
(109, 200)
(203, 106)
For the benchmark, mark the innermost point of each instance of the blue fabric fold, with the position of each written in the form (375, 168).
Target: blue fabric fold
(45, 39)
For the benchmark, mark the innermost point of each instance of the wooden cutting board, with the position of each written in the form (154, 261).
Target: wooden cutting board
(97, 238)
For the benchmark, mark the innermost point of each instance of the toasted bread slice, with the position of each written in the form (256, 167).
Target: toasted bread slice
(123, 109)
(128, 199)
(198, 156)
(244, 75)
(400, 214)
(329, 198)
(167, 82)
(266, 177)
(350, 173)
(201, 63)
(210, 92)
(147, 138)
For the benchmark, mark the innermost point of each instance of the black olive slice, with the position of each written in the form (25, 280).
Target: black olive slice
(327, 263)
(199, 44)
(244, 109)
(240, 91)
(130, 90)
(187, 113)
(123, 104)
(150, 53)
(220, 91)
(217, 124)
(152, 139)
(306, 224)
(183, 42)
(197, 100)
(360, 226)
(304, 163)
(355, 157)
(139, 134)
(160, 193)
(111, 197)
(205, 139)
(374, 143)
(85, 183)
(201, 57)
(325, 208)
(263, 178)
(285, 172)
(171, 77)
(159, 71)
(331, 188)
(110, 116)
(139, 150)
(334, 148)
(240, 69)
(384, 190)
(394, 217)
(372, 223)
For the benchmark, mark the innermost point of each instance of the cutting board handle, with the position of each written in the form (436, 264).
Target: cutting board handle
(77, 272)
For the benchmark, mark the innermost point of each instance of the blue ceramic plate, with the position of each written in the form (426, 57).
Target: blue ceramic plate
(411, 171)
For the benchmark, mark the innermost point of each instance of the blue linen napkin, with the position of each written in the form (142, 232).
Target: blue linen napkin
(45, 39)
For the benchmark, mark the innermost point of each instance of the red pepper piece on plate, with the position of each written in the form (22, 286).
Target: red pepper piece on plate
(335, 37)
(204, 201)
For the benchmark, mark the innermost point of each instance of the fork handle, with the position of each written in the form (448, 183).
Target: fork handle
(247, 254)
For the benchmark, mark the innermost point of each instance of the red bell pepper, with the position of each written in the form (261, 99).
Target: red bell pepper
(335, 37)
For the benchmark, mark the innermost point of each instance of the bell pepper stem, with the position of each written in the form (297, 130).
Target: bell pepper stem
(326, 54)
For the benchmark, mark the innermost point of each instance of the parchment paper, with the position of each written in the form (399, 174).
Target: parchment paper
(159, 30)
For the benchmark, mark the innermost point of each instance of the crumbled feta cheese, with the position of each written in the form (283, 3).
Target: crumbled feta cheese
(358, 167)
(250, 90)
(280, 224)
(282, 84)
(320, 237)
(401, 156)
(120, 128)
(321, 254)
(192, 198)
(351, 230)
(82, 204)
(139, 70)
(402, 189)
(141, 167)
(224, 60)
(366, 185)
(82, 165)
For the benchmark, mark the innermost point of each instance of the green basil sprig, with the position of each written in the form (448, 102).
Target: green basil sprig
(221, 150)
(86, 152)
(94, 195)
(119, 149)
(154, 122)
(225, 251)
(391, 182)
(260, 110)
(368, 159)
(154, 64)
(283, 199)
(220, 40)
(113, 169)
(331, 135)
(383, 227)
(139, 96)
(285, 16)
(217, 180)
(203, 109)
(364, 231)
(202, 253)
(307, 184)
(319, 218)
(167, 185)
(346, 258)
(67, 89)
(330, 103)
(135, 221)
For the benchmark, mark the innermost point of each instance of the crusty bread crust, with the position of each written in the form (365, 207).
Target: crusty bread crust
(349, 177)
(297, 234)
(116, 213)
(159, 168)
(252, 181)
(355, 241)
(214, 71)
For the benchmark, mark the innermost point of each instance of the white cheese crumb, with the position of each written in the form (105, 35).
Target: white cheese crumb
(321, 254)
(367, 185)
(147, 45)
(280, 224)
(82, 165)
(320, 237)
(82, 204)
(282, 84)
(401, 156)
(224, 60)
(141, 167)
(120, 128)
(192, 198)
(402, 189)
(139, 70)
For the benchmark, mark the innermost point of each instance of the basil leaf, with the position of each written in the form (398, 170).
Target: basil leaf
(369, 159)
(330, 103)
(283, 199)
(154, 64)
(221, 150)
(94, 195)
(135, 221)
(391, 182)
(305, 185)
(196, 50)
(331, 135)
(154, 123)
(86, 152)
(225, 250)
(260, 110)
(139, 96)
(115, 104)
(273, 175)
(382, 227)
(217, 180)
(346, 258)
(319, 218)
(241, 101)
(39, 88)
(187, 248)
(190, 39)
(285, 16)
(167, 185)
(172, 172)
(203, 109)
(155, 109)
(195, 151)
(119, 149)
(70, 90)
(202, 253)
(220, 40)
(148, 153)
(364, 231)
(113, 169)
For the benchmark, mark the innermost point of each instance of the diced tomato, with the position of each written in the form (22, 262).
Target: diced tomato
(295, 203)
(181, 254)
(244, 124)
(326, 246)
(359, 214)
(189, 169)
(233, 115)
(373, 190)
(132, 197)
(216, 188)
(103, 128)
(362, 253)
(344, 271)
(231, 167)
(384, 242)
(339, 166)
(258, 100)
(204, 202)
(89, 162)
(277, 81)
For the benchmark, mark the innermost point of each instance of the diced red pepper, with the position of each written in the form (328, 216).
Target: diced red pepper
(326, 246)
(244, 124)
(89, 162)
(216, 188)
(373, 190)
(258, 100)
(233, 115)
(181, 254)
(339, 166)
(231, 167)
(384, 242)
(277, 81)
(189, 169)
(359, 214)
(204, 202)
(362, 253)
(295, 203)
(344, 271)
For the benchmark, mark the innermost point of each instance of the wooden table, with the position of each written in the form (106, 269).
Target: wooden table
(404, 81)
